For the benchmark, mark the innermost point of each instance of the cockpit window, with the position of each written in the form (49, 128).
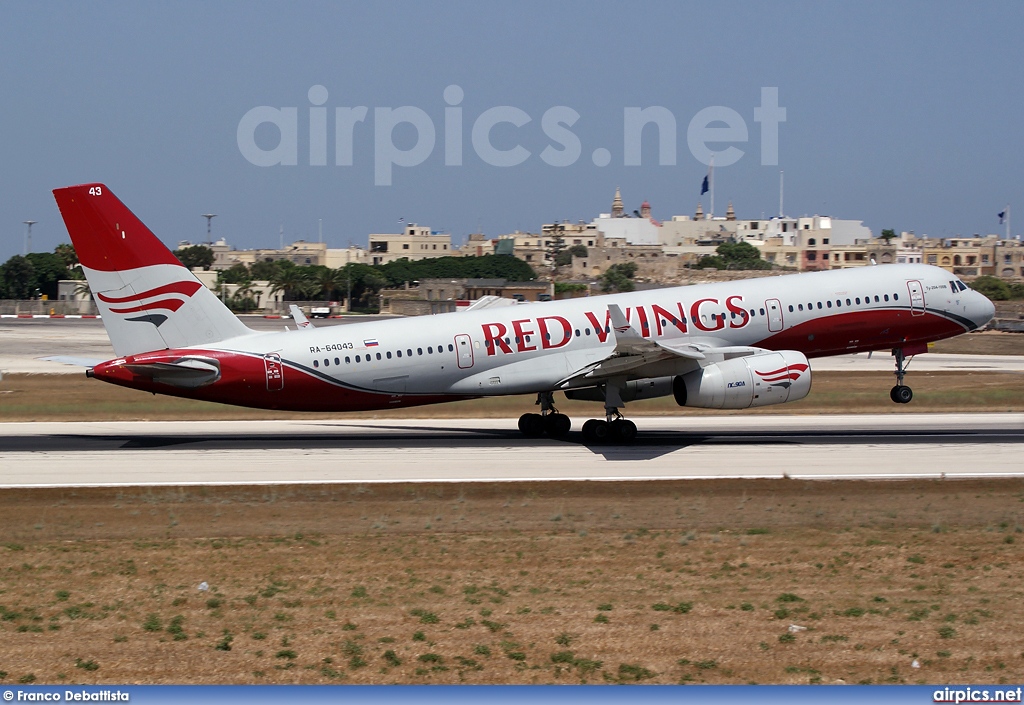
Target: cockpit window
(957, 285)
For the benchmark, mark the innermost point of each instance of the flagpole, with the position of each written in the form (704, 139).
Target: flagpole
(781, 173)
(711, 171)
(1007, 221)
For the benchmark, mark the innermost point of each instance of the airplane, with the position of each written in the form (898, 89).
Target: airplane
(730, 345)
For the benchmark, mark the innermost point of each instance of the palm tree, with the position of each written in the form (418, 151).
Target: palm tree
(337, 280)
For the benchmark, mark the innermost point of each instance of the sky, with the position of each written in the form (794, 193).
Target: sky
(904, 115)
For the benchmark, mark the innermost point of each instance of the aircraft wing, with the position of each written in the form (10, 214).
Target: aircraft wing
(636, 357)
(490, 302)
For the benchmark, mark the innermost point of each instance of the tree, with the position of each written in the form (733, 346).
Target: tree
(555, 248)
(67, 253)
(734, 255)
(18, 278)
(888, 235)
(564, 257)
(236, 274)
(265, 270)
(195, 256)
(48, 270)
(992, 287)
(244, 298)
(508, 267)
(295, 283)
(619, 277)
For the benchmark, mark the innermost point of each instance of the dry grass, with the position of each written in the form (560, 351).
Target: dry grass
(536, 583)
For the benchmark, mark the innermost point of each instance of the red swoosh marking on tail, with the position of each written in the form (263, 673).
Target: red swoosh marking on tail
(184, 287)
(169, 304)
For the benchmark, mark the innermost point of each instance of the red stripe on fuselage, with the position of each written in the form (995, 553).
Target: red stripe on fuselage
(861, 331)
(243, 382)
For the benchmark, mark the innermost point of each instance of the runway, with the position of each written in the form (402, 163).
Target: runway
(489, 450)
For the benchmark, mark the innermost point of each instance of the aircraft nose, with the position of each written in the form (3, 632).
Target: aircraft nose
(984, 310)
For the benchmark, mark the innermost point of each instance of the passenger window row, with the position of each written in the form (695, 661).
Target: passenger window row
(849, 302)
(368, 357)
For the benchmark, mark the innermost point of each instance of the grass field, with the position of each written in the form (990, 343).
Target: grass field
(669, 582)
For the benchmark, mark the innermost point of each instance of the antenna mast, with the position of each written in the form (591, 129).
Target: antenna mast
(781, 173)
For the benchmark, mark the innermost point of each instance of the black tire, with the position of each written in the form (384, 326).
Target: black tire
(557, 425)
(588, 429)
(531, 425)
(623, 430)
(892, 394)
(904, 394)
(600, 431)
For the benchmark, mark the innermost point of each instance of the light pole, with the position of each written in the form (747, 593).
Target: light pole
(28, 235)
(209, 218)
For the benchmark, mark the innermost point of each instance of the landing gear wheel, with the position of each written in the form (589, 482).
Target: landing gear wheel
(901, 394)
(623, 430)
(596, 431)
(557, 425)
(531, 425)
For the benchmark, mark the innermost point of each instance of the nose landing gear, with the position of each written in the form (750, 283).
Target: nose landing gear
(900, 394)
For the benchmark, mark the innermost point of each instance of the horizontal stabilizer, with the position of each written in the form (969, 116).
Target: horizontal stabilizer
(186, 372)
(89, 362)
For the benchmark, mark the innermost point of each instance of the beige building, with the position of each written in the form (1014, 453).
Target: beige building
(864, 253)
(300, 252)
(414, 243)
(975, 256)
(652, 261)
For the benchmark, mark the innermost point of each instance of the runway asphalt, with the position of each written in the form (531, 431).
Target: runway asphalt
(487, 450)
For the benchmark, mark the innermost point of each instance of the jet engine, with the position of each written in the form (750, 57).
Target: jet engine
(743, 382)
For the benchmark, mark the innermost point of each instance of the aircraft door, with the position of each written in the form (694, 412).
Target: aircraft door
(916, 298)
(774, 308)
(464, 347)
(275, 372)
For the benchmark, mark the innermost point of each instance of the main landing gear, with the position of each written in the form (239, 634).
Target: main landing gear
(548, 422)
(900, 394)
(611, 429)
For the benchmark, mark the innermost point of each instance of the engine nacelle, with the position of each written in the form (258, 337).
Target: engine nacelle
(743, 382)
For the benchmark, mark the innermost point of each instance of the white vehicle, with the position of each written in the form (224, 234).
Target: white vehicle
(732, 345)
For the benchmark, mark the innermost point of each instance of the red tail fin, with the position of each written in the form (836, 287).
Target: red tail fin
(148, 299)
(106, 235)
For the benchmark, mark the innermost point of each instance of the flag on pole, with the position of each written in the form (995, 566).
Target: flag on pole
(1002, 217)
(704, 186)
